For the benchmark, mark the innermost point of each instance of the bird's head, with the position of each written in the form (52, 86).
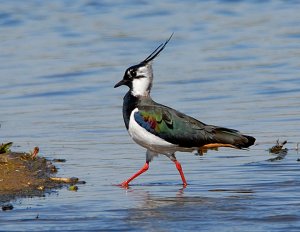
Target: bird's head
(139, 77)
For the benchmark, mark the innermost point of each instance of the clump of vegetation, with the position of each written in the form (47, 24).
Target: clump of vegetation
(5, 147)
(278, 147)
(278, 150)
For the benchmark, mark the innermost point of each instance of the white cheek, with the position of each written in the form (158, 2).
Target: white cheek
(140, 86)
(144, 71)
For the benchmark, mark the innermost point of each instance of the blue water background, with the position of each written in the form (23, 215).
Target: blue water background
(230, 63)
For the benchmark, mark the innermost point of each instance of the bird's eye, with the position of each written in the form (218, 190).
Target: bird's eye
(133, 73)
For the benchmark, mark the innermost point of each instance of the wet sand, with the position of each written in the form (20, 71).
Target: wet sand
(26, 175)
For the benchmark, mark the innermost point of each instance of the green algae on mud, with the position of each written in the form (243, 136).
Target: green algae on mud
(27, 175)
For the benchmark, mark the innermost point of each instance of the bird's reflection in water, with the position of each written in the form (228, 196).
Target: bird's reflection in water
(158, 212)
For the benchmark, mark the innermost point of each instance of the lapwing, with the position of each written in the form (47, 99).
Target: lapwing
(163, 130)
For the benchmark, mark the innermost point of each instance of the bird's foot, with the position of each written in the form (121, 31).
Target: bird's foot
(124, 184)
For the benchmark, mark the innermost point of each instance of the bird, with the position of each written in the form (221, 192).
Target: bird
(163, 130)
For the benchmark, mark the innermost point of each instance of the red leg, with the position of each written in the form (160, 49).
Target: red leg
(179, 168)
(142, 170)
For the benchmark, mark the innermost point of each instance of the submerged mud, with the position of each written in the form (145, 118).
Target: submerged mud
(28, 175)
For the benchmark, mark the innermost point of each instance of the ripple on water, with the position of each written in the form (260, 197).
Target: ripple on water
(229, 63)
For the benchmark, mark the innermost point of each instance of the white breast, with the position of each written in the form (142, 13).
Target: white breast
(144, 138)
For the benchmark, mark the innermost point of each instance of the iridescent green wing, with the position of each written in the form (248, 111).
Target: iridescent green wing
(184, 131)
(171, 125)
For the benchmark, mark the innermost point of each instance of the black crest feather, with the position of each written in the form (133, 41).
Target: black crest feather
(157, 50)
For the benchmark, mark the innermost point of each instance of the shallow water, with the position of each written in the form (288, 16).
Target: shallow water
(229, 63)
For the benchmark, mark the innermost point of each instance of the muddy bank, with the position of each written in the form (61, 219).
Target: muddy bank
(27, 175)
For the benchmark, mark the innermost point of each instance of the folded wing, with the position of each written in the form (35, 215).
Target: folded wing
(185, 131)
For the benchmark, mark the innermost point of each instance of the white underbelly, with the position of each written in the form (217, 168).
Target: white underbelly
(144, 138)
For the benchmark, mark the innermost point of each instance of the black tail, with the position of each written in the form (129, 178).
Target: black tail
(250, 139)
(233, 137)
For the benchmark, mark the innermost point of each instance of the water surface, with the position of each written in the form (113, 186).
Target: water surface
(229, 63)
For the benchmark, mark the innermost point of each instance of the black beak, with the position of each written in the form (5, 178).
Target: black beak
(122, 82)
